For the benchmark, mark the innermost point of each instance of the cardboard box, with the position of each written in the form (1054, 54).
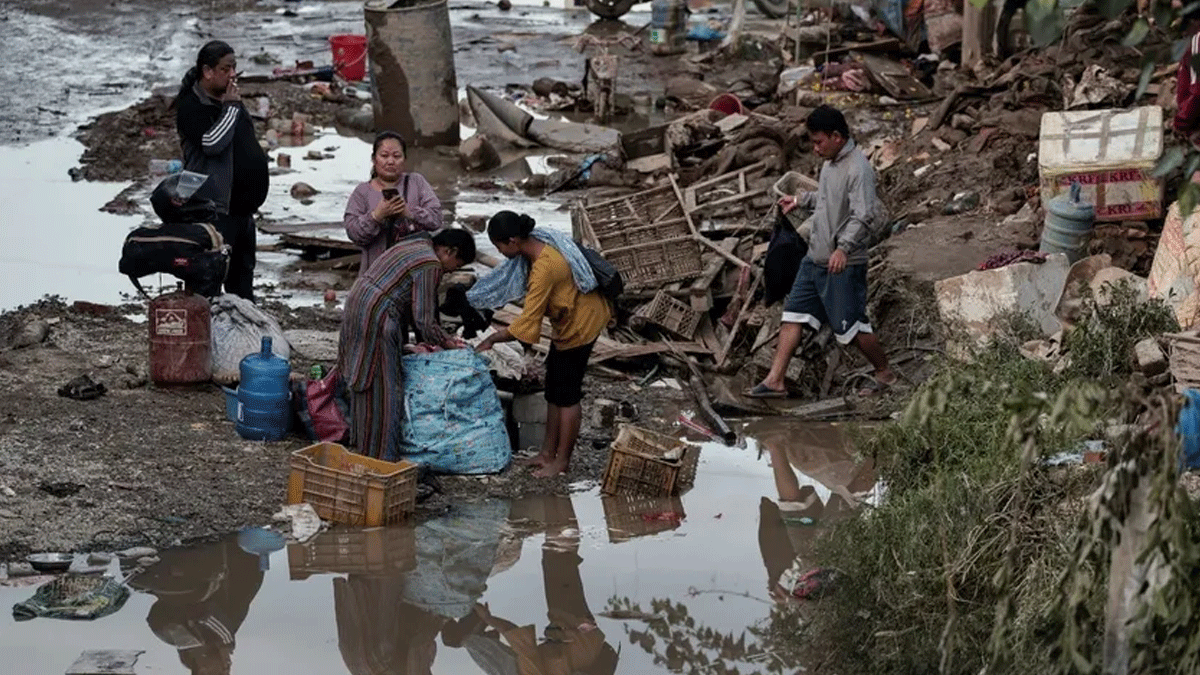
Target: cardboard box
(1110, 153)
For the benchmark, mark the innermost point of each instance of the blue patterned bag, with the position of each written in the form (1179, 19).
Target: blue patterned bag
(454, 422)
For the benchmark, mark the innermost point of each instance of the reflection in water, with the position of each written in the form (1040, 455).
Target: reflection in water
(815, 481)
(390, 623)
(571, 642)
(422, 599)
(202, 597)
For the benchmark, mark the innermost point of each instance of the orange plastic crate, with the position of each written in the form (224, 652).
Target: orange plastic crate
(344, 487)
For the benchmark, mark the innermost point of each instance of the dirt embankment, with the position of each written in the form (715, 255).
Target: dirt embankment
(121, 143)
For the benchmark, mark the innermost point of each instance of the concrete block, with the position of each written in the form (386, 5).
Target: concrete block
(1150, 357)
(529, 408)
(531, 435)
(977, 299)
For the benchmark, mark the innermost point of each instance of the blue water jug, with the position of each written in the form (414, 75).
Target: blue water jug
(264, 397)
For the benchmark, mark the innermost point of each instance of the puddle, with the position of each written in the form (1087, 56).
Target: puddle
(54, 240)
(57, 242)
(490, 585)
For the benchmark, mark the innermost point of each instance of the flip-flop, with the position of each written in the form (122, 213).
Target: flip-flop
(761, 390)
(873, 388)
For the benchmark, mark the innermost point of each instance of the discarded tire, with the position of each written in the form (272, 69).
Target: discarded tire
(611, 9)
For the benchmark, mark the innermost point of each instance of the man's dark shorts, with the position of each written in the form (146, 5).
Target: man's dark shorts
(818, 297)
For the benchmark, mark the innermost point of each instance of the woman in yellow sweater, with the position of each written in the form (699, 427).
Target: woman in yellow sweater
(576, 320)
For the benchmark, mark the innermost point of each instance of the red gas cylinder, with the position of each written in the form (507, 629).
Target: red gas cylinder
(180, 338)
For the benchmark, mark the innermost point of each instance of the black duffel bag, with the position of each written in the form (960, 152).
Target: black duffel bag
(193, 252)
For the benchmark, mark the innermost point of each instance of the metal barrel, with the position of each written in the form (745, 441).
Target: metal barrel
(415, 89)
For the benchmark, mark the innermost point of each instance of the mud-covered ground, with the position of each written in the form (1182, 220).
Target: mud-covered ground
(154, 465)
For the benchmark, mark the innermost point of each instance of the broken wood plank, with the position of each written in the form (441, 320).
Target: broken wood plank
(703, 240)
(701, 288)
(893, 77)
(721, 358)
(816, 410)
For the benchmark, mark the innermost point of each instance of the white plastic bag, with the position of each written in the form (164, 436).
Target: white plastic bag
(238, 328)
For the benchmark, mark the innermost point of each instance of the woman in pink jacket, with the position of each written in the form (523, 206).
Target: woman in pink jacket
(392, 205)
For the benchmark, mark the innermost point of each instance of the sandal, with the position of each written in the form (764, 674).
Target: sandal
(874, 387)
(761, 390)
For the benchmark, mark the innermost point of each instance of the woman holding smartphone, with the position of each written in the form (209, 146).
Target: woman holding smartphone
(392, 205)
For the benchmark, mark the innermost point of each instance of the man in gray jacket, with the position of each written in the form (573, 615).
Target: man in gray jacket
(831, 286)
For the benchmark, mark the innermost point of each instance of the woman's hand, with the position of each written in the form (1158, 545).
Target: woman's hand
(488, 343)
(390, 208)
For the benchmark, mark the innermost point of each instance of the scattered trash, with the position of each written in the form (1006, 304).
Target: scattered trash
(73, 596)
(262, 543)
(105, 662)
(50, 562)
(304, 519)
(132, 554)
(812, 584)
(82, 388)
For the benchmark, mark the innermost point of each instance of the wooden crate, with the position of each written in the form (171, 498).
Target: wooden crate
(629, 516)
(671, 314)
(636, 464)
(647, 207)
(348, 488)
(644, 234)
(655, 264)
(378, 551)
(727, 195)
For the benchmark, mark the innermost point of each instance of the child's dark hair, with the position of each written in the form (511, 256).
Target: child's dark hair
(507, 225)
(829, 120)
(460, 240)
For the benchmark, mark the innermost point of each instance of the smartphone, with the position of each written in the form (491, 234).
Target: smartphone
(390, 193)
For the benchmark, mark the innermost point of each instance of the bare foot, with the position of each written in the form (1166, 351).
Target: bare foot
(550, 470)
(539, 460)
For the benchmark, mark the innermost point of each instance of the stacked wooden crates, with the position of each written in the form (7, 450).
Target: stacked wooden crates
(645, 235)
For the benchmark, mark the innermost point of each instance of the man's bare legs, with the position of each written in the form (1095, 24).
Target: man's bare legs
(790, 335)
(869, 345)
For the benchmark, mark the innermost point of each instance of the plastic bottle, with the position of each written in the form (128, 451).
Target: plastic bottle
(164, 167)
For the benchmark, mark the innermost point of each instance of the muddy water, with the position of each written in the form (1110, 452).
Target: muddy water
(492, 584)
(55, 240)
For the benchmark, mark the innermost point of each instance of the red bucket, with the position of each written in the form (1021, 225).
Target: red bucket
(349, 56)
(728, 104)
